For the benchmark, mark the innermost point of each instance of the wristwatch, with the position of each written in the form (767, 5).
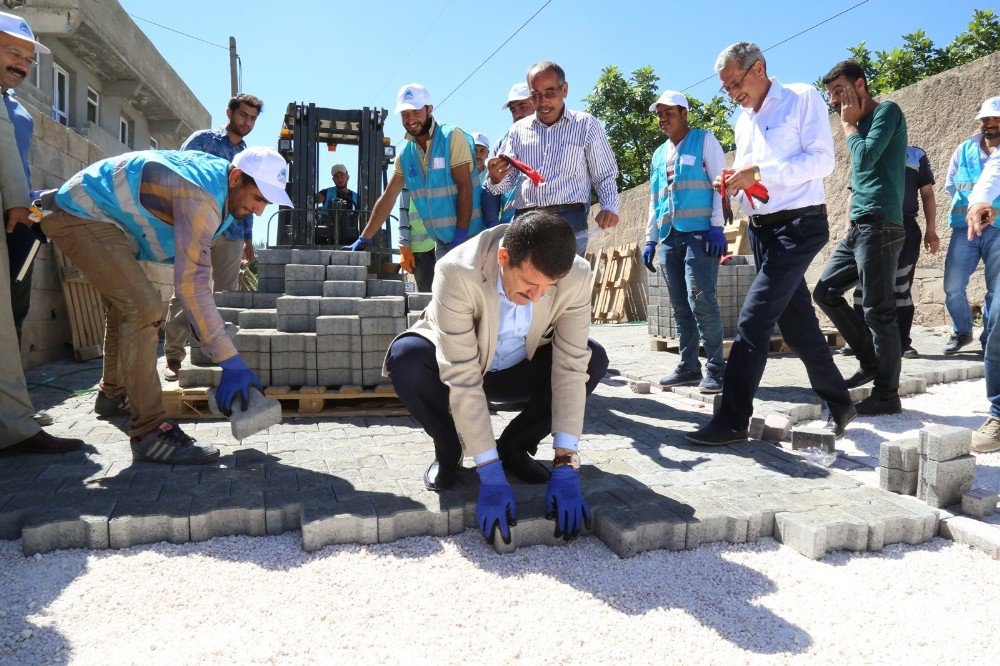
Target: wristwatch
(756, 173)
(570, 459)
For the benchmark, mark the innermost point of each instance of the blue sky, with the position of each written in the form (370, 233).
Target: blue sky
(352, 54)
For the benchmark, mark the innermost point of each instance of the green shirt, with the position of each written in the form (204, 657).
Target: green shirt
(878, 163)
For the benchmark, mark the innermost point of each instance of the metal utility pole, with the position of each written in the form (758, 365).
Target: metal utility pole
(233, 78)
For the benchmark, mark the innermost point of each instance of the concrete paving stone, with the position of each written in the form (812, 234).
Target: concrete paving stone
(386, 288)
(628, 531)
(199, 358)
(979, 502)
(305, 272)
(347, 273)
(270, 271)
(339, 305)
(889, 524)
(941, 442)
(230, 315)
(859, 393)
(344, 289)
(275, 255)
(266, 300)
(298, 305)
(820, 531)
(136, 522)
(776, 427)
(712, 522)
(259, 318)
(281, 507)
(339, 325)
(275, 285)
(898, 481)
(347, 258)
(976, 534)
(383, 306)
(304, 288)
(81, 526)
(255, 341)
(227, 516)
(957, 472)
(413, 317)
(337, 360)
(382, 325)
(401, 517)
(289, 343)
(901, 454)
(326, 523)
(756, 429)
(375, 346)
(191, 375)
(233, 299)
(955, 374)
(296, 323)
(975, 371)
(912, 385)
(418, 300)
(813, 437)
(311, 256)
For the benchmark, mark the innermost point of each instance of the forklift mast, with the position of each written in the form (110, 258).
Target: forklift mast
(305, 128)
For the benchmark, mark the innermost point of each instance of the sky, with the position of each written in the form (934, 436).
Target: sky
(348, 55)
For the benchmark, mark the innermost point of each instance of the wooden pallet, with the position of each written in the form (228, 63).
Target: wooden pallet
(610, 290)
(777, 344)
(736, 237)
(85, 308)
(345, 401)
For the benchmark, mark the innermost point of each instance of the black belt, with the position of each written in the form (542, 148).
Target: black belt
(771, 219)
(558, 208)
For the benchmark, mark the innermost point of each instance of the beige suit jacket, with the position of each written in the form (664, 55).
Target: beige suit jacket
(463, 322)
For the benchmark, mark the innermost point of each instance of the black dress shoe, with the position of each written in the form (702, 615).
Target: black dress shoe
(440, 478)
(524, 467)
(860, 378)
(837, 424)
(872, 406)
(43, 442)
(716, 435)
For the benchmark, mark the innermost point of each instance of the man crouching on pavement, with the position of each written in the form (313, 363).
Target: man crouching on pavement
(160, 206)
(508, 322)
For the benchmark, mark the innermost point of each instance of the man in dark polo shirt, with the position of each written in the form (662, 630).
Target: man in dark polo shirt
(876, 140)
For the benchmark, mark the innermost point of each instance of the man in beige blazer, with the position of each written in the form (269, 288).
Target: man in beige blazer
(508, 322)
(18, 430)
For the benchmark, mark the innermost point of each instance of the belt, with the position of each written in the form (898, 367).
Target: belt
(770, 219)
(558, 208)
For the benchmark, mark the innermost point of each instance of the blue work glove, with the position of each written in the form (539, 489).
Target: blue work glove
(237, 378)
(564, 502)
(495, 507)
(715, 242)
(461, 235)
(359, 244)
(649, 256)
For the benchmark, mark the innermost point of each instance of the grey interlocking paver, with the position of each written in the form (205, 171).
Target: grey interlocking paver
(979, 502)
(940, 443)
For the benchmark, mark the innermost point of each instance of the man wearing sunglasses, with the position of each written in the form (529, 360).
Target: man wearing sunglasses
(569, 149)
(783, 140)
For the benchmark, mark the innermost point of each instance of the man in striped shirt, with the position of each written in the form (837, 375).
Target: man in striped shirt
(569, 149)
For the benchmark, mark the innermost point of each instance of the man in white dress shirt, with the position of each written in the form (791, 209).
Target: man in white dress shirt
(783, 140)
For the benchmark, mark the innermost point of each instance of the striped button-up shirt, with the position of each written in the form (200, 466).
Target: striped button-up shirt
(573, 154)
(216, 142)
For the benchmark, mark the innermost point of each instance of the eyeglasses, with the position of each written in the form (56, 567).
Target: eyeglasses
(549, 94)
(27, 60)
(728, 90)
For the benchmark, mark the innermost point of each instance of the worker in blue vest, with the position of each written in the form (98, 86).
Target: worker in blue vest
(164, 206)
(685, 218)
(436, 165)
(964, 253)
(343, 215)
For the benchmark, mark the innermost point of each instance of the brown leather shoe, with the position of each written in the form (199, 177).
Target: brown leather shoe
(170, 372)
(43, 442)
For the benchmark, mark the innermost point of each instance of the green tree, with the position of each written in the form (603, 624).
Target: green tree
(622, 105)
(981, 38)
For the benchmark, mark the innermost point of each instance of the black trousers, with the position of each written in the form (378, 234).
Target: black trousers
(414, 371)
(19, 243)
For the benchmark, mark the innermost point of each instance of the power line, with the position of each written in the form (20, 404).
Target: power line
(490, 56)
(165, 27)
(788, 39)
(419, 42)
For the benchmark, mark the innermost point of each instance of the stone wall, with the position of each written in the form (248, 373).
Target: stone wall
(940, 114)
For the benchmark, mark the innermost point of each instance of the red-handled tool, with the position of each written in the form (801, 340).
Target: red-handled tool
(756, 191)
(532, 175)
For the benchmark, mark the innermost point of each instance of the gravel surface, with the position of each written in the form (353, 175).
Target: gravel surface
(423, 600)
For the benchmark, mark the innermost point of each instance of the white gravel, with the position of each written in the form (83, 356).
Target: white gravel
(429, 600)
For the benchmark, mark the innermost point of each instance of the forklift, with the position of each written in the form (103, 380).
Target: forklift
(305, 128)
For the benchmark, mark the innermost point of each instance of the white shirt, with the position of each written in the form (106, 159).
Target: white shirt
(987, 188)
(791, 142)
(515, 320)
(713, 160)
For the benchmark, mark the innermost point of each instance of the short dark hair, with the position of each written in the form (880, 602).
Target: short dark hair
(545, 239)
(248, 99)
(546, 66)
(849, 68)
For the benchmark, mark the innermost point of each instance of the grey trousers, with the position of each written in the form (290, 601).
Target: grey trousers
(16, 410)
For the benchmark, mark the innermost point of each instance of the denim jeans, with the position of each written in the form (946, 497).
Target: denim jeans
(778, 294)
(691, 275)
(868, 254)
(991, 357)
(959, 265)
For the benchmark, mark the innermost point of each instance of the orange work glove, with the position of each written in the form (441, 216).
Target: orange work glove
(408, 261)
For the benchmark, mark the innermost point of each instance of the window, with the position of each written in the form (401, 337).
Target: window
(60, 94)
(126, 129)
(153, 144)
(93, 106)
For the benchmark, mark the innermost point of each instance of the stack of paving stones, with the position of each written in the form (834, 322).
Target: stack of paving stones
(899, 465)
(330, 325)
(946, 465)
(731, 290)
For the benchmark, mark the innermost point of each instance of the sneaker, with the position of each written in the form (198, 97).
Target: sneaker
(170, 372)
(680, 377)
(716, 435)
(846, 351)
(118, 405)
(910, 352)
(169, 444)
(712, 383)
(956, 342)
(872, 406)
(987, 438)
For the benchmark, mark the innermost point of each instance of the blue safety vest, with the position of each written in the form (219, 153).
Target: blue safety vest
(110, 189)
(331, 196)
(435, 193)
(686, 203)
(970, 168)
